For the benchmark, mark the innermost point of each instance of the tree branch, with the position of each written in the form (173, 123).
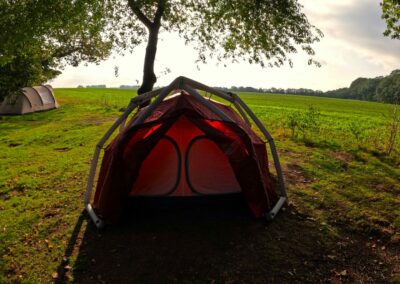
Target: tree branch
(64, 51)
(142, 17)
(159, 12)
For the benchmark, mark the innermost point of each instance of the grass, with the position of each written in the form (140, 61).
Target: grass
(346, 186)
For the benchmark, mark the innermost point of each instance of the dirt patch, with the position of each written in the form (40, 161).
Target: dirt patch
(382, 187)
(63, 149)
(95, 120)
(294, 174)
(344, 158)
(12, 145)
(4, 196)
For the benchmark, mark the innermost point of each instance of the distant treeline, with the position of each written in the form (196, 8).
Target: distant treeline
(134, 87)
(93, 86)
(301, 91)
(382, 89)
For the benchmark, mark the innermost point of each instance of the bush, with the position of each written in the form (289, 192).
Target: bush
(304, 123)
(24, 71)
(356, 130)
(292, 122)
(393, 126)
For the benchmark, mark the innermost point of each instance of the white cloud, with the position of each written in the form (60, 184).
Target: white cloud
(358, 28)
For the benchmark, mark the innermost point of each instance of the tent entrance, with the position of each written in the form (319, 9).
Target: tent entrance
(185, 162)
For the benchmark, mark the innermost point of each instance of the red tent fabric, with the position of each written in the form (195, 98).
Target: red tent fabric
(184, 149)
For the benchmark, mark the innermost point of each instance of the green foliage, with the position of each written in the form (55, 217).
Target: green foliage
(391, 14)
(73, 31)
(364, 88)
(38, 37)
(356, 129)
(384, 89)
(388, 89)
(393, 128)
(311, 120)
(292, 122)
(46, 34)
(341, 93)
(22, 72)
(306, 122)
(261, 32)
(54, 33)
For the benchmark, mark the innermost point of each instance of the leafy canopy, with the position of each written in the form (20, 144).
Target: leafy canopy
(391, 14)
(262, 32)
(44, 35)
(388, 89)
(38, 37)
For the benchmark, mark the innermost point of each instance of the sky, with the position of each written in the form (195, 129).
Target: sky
(353, 46)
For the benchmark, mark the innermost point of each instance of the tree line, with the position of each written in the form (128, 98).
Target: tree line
(289, 91)
(380, 89)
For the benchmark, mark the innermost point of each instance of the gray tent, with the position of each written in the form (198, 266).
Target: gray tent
(32, 99)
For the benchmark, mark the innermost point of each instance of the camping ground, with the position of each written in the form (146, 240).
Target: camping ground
(342, 224)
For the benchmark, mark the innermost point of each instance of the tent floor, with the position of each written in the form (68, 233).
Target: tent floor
(209, 207)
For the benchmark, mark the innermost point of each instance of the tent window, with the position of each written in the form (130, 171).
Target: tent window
(160, 171)
(208, 170)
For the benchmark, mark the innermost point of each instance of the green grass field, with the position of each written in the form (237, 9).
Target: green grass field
(345, 189)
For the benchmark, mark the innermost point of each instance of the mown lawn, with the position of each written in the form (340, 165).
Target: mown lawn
(342, 224)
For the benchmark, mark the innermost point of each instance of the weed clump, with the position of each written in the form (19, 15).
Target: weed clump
(304, 124)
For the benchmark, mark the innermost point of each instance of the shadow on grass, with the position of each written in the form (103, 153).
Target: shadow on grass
(201, 243)
(61, 271)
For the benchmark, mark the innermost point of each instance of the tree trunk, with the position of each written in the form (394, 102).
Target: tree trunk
(149, 78)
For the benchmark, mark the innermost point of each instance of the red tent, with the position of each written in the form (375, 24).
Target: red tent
(184, 145)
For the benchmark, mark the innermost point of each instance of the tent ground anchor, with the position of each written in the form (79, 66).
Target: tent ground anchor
(271, 214)
(96, 220)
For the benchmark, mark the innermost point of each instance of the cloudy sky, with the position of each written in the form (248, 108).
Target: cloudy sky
(353, 46)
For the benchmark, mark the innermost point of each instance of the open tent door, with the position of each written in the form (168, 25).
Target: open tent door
(193, 147)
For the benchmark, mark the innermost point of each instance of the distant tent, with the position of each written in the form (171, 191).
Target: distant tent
(32, 99)
(184, 145)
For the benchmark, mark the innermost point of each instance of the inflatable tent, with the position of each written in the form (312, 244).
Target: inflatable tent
(32, 99)
(184, 145)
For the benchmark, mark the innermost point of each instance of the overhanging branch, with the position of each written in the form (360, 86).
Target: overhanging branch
(64, 51)
(142, 17)
(159, 12)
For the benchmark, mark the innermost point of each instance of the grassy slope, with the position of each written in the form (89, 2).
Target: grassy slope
(44, 160)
